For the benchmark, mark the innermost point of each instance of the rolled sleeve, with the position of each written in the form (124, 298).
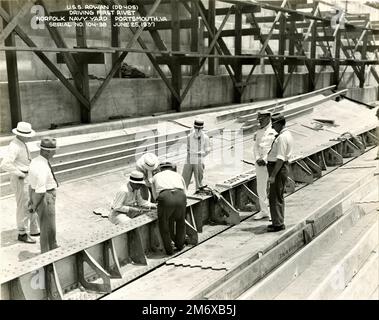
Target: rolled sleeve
(119, 201)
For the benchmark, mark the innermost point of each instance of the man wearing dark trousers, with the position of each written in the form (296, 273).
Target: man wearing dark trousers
(169, 190)
(278, 169)
(42, 190)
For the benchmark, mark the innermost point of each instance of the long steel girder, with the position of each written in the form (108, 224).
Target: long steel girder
(285, 15)
(105, 253)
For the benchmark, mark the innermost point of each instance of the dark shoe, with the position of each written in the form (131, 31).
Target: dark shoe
(272, 228)
(25, 238)
(35, 234)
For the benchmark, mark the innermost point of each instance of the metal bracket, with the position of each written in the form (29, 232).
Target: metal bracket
(301, 172)
(232, 215)
(350, 149)
(110, 251)
(250, 194)
(372, 139)
(316, 169)
(156, 242)
(83, 257)
(193, 237)
(332, 157)
(136, 251)
(53, 287)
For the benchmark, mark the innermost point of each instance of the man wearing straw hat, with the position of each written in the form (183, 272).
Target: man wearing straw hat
(128, 203)
(16, 162)
(147, 164)
(43, 185)
(198, 147)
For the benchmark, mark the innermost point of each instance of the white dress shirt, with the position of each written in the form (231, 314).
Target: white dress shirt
(17, 159)
(282, 148)
(166, 180)
(264, 137)
(198, 146)
(128, 197)
(41, 178)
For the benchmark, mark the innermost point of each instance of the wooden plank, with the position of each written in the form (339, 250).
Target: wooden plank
(280, 64)
(194, 33)
(176, 69)
(81, 41)
(9, 27)
(115, 42)
(312, 66)
(211, 12)
(337, 49)
(60, 43)
(119, 61)
(155, 64)
(12, 73)
(212, 44)
(233, 32)
(237, 51)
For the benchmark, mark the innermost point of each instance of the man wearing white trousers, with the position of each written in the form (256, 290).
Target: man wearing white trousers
(16, 162)
(263, 140)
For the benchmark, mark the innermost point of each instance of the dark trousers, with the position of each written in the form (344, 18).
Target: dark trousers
(276, 194)
(172, 208)
(46, 214)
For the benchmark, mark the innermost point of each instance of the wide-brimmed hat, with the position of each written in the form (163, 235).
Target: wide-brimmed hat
(136, 177)
(150, 161)
(24, 129)
(48, 143)
(198, 124)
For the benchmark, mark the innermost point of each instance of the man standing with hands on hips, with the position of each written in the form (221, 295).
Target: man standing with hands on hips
(16, 162)
(43, 185)
(278, 169)
(263, 140)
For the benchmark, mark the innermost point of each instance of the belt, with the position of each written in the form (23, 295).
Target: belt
(273, 162)
(172, 190)
(50, 190)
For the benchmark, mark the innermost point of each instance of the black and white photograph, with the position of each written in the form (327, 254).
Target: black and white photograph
(189, 154)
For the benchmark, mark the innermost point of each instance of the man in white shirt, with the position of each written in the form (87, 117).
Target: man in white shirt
(43, 185)
(263, 139)
(169, 189)
(198, 147)
(16, 162)
(147, 164)
(128, 203)
(278, 169)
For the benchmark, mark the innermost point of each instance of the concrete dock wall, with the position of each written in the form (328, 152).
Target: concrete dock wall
(49, 102)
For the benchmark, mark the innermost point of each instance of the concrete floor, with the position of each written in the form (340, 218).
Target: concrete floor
(77, 199)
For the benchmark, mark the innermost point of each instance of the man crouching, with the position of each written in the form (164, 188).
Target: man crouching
(128, 203)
